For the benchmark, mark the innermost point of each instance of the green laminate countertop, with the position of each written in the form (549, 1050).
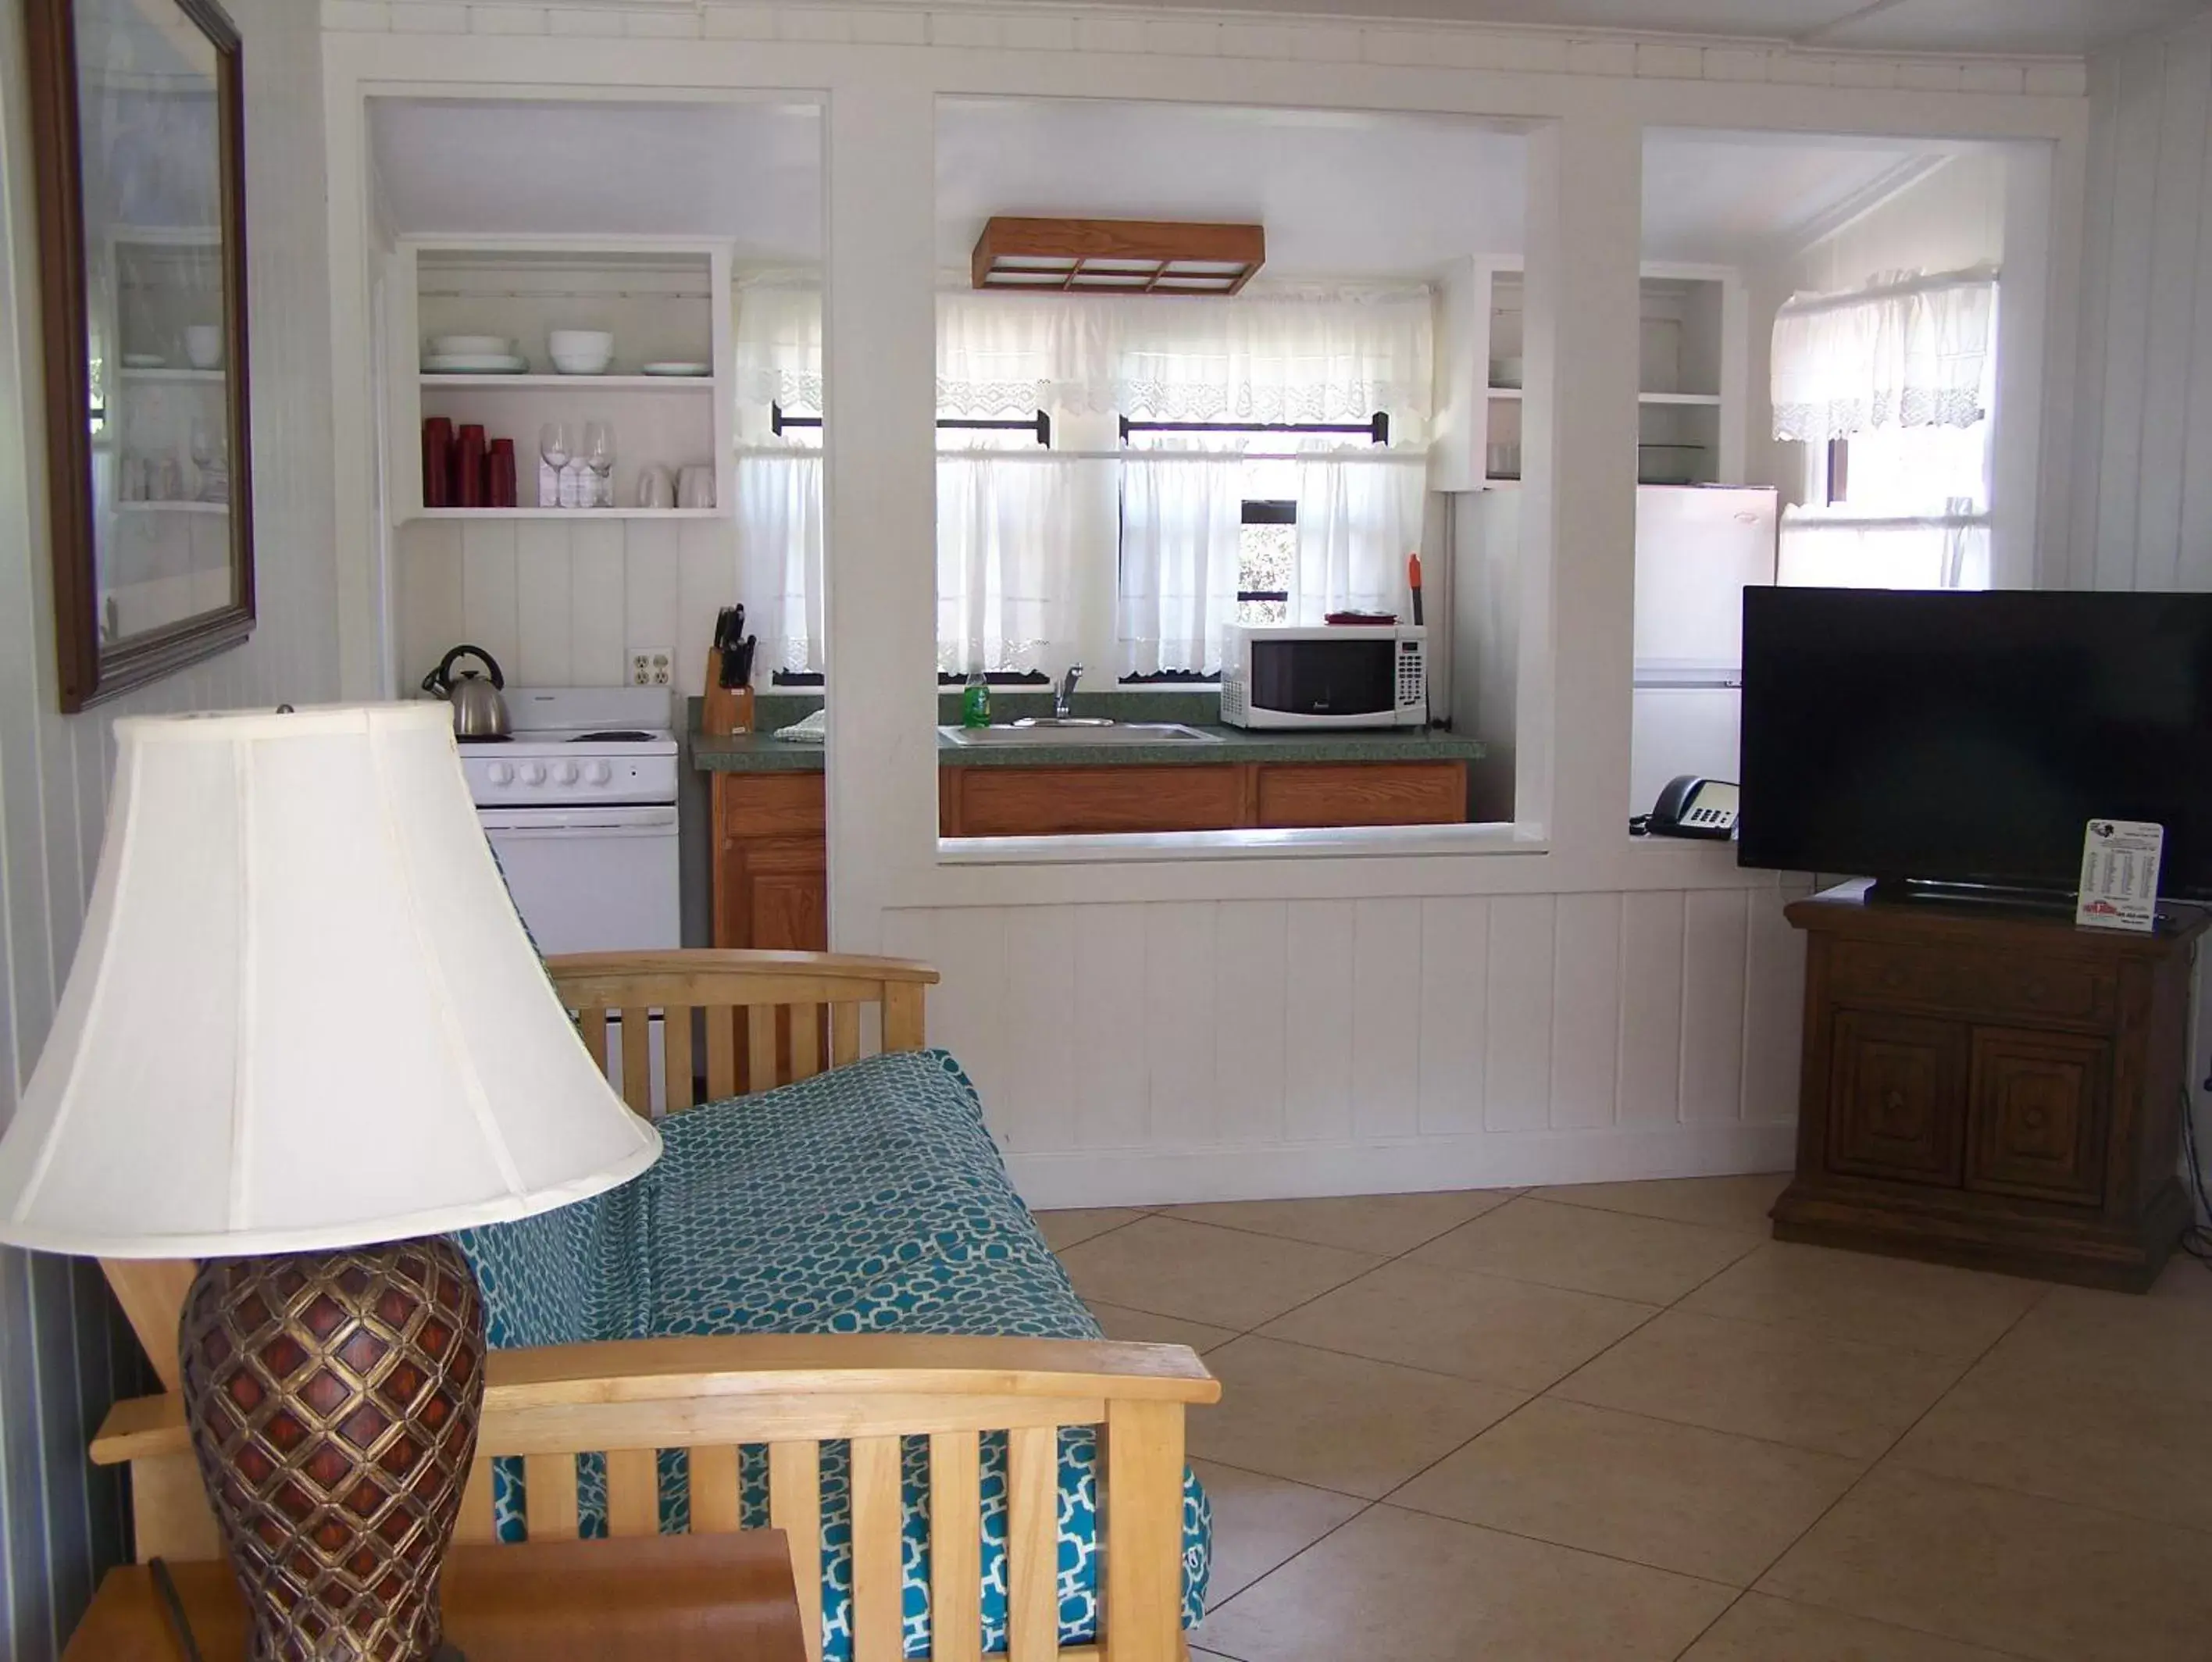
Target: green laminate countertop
(761, 753)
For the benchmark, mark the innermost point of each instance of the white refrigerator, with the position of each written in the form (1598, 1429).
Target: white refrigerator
(1697, 549)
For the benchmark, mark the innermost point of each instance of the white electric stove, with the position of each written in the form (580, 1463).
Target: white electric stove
(580, 803)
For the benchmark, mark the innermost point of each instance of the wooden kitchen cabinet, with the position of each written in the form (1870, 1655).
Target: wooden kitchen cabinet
(1042, 802)
(1045, 802)
(1291, 794)
(771, 868)
(771, 879)
(1989, 1088)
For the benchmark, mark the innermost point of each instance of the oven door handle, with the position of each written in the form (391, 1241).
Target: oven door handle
(638, 821)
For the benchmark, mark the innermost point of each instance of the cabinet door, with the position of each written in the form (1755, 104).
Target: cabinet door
(2038, 1119)
(1897, 1087)
(788, 895)
(1362, 793)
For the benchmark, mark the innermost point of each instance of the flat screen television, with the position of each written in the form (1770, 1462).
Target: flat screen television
(1957, 738)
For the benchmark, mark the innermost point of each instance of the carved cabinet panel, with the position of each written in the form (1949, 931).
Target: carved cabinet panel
(2037, 1120)
(1895, 1097)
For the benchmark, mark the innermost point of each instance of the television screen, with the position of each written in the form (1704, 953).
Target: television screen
(1961, 738)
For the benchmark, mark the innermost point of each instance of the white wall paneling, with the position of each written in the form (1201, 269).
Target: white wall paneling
(1317, 1021)
(562, 602)
(1177, 1050)
(1586, 953)
(64, 1354)
(2142, 486)
(1374, 1012)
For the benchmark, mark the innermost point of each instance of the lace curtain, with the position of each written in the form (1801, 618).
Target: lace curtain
(778, 345)
(1258, 360)
(1358, 520)
(1182, 548)
(1906, 351)
(1010, 531)
(779, 515)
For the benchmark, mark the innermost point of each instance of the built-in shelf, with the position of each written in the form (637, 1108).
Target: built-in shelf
(578, 383)
(566, 513)
(202, 375)
(172, 508)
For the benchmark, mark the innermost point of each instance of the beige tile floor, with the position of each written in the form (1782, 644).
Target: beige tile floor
(1615, 1421)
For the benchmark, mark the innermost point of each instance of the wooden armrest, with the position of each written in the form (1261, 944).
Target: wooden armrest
(729, 962)
(770, 1365)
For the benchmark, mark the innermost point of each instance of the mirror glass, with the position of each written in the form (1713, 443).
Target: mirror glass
(153, 559)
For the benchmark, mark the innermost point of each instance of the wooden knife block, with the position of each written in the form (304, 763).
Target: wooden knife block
(729, 710)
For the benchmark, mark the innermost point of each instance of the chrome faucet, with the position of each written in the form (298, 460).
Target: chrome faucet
(1063, 696)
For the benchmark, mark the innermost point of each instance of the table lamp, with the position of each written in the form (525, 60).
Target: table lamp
(304, 1036)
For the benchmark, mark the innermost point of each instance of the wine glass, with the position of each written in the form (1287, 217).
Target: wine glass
(207, 461)
(555, 444)
(599, 457)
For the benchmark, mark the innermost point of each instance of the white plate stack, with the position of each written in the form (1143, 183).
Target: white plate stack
(473, 355)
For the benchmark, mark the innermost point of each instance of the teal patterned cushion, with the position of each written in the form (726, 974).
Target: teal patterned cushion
(868, 1199)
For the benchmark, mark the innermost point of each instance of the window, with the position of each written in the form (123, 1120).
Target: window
(1889, 389)
(1259, 522)
(1266, 560)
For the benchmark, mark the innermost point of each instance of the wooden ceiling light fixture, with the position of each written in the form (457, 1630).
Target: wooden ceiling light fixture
(1117, 256)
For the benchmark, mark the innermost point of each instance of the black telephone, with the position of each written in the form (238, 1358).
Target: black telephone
(1693, 807)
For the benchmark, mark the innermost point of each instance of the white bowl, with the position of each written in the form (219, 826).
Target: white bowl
(471, 346)
(580, 343)
(575, 366)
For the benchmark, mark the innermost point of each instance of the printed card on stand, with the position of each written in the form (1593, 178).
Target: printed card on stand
(2119, 875)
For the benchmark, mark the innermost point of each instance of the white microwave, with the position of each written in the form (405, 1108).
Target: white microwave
(1283, 675)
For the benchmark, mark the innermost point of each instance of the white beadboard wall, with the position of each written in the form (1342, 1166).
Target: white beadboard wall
(1181, 1050)
(1191, 1025)
(64, 1354)
(563, 602)
(2143, 481)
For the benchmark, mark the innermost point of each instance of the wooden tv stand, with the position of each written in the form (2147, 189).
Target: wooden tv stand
(1996, 1089)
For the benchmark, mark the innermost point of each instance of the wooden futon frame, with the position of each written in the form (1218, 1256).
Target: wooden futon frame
(771, 1016)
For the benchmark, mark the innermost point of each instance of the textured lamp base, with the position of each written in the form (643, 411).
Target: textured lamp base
(332, 1398)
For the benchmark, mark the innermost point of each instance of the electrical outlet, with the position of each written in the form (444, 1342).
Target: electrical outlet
(652, 666)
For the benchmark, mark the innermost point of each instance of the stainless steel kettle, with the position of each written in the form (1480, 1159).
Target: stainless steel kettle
(479, 712)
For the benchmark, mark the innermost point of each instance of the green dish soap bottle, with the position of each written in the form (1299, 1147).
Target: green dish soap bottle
(975, 700)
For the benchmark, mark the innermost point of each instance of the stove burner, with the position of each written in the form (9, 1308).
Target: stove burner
(621, 735)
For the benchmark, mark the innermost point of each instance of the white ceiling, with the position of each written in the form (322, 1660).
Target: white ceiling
(2065, 26)
(1349, 195)
(1733, 197)
(751, 170)
(1341, 194)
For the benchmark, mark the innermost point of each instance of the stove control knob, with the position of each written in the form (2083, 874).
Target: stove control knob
(499, 774)
(598, 773)
(565, 774)
(533, 772)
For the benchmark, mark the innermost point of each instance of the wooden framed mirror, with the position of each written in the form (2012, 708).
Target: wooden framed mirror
(138, 136)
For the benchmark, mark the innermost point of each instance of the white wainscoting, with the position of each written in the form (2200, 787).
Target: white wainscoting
(562, 603)
(64, 1352)
(1176, 1051)
(2143, 482)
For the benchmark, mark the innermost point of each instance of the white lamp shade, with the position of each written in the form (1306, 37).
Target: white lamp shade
(303, 1013)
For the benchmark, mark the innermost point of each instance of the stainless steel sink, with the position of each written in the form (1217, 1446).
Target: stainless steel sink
(1084, 733)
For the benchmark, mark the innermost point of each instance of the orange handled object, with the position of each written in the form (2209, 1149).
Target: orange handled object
(1413, 583)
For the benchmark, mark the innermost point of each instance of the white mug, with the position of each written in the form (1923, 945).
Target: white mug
(656, 486)
(203, 345)
(695, 487)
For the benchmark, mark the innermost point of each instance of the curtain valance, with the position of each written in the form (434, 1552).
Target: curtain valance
(1261, 361)
(1906, 351)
